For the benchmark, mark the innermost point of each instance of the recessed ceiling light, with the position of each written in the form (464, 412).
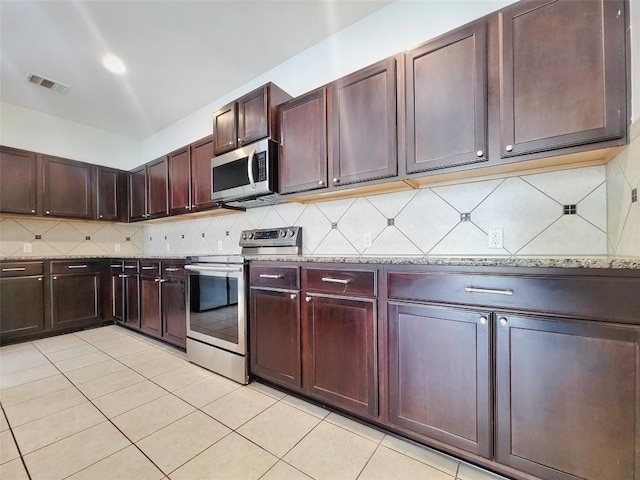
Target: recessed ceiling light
(114, 64)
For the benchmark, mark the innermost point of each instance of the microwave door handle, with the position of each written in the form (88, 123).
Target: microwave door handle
(252, 156)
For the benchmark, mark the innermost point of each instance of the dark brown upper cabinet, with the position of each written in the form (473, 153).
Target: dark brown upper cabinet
(18, 181)
(179, 181)
(563, 80)
(362, 125)
(303, 142)
(201, 153)
(446, 100)
(67, 188)
(149, 191)
(110, 194)
(248, 119)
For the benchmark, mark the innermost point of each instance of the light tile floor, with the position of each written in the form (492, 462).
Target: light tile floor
(110, 404)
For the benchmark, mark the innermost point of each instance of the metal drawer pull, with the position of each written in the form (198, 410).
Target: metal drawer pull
(293, 296)
(269, 275)
(132, 266)
(336, 280)
(116, 266)
(39, 279)
(172, 269)
(123, 276)
(21, 269)
(77, 266)
(145, 268)
(488, 290)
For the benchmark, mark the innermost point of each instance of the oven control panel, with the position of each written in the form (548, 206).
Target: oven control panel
(286, 240)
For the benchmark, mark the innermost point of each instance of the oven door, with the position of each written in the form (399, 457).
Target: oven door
(216, 312)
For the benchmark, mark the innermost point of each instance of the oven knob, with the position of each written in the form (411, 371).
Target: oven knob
(250, 235)
(290, 233)
(283, 233)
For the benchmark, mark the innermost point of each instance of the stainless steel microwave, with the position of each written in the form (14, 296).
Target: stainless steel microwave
(246, 173)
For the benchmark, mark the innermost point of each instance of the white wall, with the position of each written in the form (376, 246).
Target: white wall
(635, 59)
(39, 132)
(395, 28)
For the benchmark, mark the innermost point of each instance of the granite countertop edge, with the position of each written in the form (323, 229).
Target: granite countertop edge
(470, 261)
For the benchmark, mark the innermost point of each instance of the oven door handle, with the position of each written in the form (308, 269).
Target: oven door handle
(252, 157)
(207, 268)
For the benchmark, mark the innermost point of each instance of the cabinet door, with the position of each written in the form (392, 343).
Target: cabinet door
(107, 193)
(132, 304)
(303, 140)
(562, 74)
(75, 299)
(67, 188)
(179, 182)
(447, 100)
(21, 306)
(225, 129)
(174, 315)
(201, 154)
(439, 375)
(568, 398)
(118, 295)
(150, 308)
(275, 336)
(341, 356)
(253, 111)
(138, 194)
(158, 188)
(363, 117)
(18, 181)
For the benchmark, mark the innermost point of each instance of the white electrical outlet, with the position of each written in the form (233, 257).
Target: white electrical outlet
(367, 240)
(496, 238)
(220, 246)
(26, 248)
(168, 247)
(116, 247)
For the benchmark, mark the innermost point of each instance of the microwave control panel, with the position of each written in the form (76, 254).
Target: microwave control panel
(262, 166)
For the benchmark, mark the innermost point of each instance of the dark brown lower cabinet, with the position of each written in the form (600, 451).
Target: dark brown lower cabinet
(439, 374)
(340, 364)
(568, 398)
(174, 315)
(21, 303)
(275, 335)
(75, 299)
(150, 306)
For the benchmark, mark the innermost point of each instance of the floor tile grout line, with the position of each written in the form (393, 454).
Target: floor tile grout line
(367, 462)
(15, 441)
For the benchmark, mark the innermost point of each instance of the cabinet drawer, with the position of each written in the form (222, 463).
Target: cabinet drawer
(76, 266)
(131, 266)
(276, 277)
(173, 269)
(21, 269)
(601, 297)
(346, 282)
(150, 268)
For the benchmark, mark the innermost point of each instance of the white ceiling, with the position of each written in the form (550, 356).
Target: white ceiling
(180, 55)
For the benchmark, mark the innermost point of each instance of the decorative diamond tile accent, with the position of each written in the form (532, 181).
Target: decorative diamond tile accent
(390, 222)
(87, 238)
(634, 195)
(593, 207)
(38, 226)
(38, 237)
(64, 237)
(570, 235)
(334, 226)
(88, 228)
(361, 218)
(465, 197)
(466, 239)
(518, 208)
(390, 204)
(569, 209)
(335, 209)
(465, 217)
(426, 219)
(392, 240)
(568, 186)
(334, 244)
(315, 226)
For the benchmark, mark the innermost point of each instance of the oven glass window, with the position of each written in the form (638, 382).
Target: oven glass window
(214, 307)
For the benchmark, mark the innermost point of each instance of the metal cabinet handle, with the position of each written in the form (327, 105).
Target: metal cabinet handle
(156, 280)
(55, 278)
(144, 268)
(101, 216)
(47, 212)
(336, 180)
(123, 276)
(483, 320)
(307, 299)
(33, 211)
(336, 280)
(39, 279)
(503, 321)
(17, 269)
(162, 280)
(321, 182)
(479, 153)
(509, 148)
(488, 290)
(116, 266)
(77, 266)
(172, 269)
(293, 296)
(269, 275)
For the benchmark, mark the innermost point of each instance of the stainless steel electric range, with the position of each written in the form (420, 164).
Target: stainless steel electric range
(217, 307)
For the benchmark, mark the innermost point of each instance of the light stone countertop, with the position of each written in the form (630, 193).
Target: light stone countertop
(632, 263)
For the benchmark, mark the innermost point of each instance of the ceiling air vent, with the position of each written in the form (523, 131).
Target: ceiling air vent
(57, 87)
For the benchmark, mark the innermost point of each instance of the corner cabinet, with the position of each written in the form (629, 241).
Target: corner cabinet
(363, 125)
(179, 166)
(18, 181)
(201, 153)
(110, 194)
(562, 74)
(149, 191)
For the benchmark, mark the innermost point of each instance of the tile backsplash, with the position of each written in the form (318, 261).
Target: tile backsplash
(445, 220)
